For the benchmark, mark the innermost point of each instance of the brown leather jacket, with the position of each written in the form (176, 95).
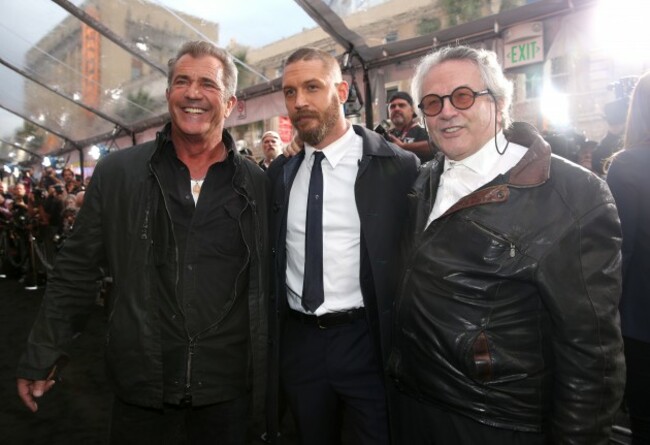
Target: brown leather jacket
(508, 308)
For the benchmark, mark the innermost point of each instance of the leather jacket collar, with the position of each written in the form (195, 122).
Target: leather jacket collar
(532, 170)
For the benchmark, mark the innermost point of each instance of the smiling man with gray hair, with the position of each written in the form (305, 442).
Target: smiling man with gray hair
(507, 327)
(179, 224)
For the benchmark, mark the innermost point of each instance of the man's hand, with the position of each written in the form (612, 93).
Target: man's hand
(29, 390)
(395, 140)
(293, 148)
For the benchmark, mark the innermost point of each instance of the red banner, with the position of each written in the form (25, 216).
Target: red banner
(285, 129)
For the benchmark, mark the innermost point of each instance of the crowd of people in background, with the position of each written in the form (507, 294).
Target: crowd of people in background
(36, 216)
(37, 213)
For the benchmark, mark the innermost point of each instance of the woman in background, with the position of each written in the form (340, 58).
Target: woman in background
(629, 180)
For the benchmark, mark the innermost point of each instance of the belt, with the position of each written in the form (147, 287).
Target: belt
(329, 320)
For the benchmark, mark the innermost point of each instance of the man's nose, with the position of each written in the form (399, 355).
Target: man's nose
(301, 100)
(447, 108)
(193, 90)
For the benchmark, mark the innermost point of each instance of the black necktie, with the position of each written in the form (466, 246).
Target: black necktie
(312, 288)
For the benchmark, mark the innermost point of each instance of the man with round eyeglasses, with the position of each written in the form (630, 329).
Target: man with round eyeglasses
(461, 98)
(507, 328)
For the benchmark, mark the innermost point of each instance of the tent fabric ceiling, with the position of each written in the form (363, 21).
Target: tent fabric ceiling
(78, 72)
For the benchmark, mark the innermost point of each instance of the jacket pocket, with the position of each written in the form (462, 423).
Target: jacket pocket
(500, 247)
(481, 358)
(486, 366)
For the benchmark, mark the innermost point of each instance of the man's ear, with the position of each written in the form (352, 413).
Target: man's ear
(343, 90)
(230, 104)
(499, 116)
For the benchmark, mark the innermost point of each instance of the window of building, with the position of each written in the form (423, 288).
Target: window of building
(390, 91)
(560, 73)
(528, 82)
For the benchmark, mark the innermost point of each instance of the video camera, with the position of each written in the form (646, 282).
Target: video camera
(382, 131)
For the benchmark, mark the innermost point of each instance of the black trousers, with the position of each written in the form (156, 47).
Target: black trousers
(219, 424)
(330, 373)
(637, 389)
(424, 424)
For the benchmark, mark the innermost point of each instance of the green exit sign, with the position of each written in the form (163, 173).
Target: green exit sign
(524, 52)
(523, 44)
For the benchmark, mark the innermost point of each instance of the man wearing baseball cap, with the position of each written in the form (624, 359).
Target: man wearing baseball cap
(407, 133)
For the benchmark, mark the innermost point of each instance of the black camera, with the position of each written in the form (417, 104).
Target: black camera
(382, 131)
(38, 193)
(58, 188)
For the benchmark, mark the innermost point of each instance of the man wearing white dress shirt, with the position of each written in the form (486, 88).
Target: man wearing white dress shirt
(331, 331)
(507, 326)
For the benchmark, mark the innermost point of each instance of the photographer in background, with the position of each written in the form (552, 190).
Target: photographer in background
(53, 206)
(69, 180)
(5, 198)
(615, 115)
(21, 207)
(407, 133)
(48, 178)
(24, 212)
(47, 215)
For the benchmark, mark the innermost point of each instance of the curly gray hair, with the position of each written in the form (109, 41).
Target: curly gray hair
(486, 61)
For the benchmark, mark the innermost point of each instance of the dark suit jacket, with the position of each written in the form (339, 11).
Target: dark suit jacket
(385, 176)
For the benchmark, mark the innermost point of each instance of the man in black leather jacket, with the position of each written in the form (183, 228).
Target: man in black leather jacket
(180, 225)
(507, 328)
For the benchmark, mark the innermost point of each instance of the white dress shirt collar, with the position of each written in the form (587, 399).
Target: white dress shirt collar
(483, 161)
(460, 178)
(335, 151)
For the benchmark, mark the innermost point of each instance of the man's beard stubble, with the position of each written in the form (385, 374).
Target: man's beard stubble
(326, 121)
(399, 120)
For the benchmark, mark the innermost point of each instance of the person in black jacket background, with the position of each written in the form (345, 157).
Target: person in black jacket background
(629, 182)
(180, 226)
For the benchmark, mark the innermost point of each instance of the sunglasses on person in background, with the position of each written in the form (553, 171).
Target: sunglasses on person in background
(461, 98)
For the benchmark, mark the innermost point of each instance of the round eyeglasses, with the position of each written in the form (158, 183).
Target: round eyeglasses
(461, 98)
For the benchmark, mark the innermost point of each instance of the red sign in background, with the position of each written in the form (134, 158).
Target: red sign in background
(285, 129)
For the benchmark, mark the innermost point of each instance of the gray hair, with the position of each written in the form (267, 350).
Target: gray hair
(201, 48)
(486, 61)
